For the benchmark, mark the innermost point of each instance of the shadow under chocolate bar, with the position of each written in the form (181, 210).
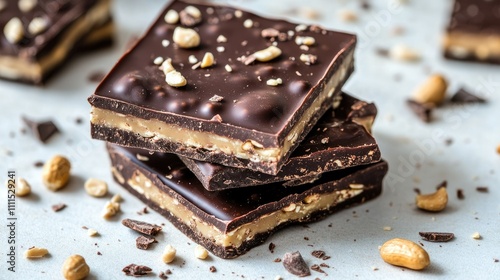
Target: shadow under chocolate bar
(230, 222)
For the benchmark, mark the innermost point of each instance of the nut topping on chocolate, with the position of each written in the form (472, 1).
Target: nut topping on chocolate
(274, 82)
(269, 33)
(268, 54)
(37, 25)
(308, 59)
(175, 79)
(13, 30)
(305, 40)
(208, 60)
(186, 38)
(190, 16)
(172, 17)
(26, 5)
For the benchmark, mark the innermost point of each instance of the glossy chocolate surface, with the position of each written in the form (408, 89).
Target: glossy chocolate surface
(59, 14)
(476, 16)
(248, 103)
(334, 138)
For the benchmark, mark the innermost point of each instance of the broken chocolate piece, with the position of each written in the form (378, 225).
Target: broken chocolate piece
(437, 236)
(318, 254)
(271, 247)
(58, 207)
(42, 130)
(295, 264)
(464, 96)
(317, 268)
(213, 269)
(144, 242)
(136, 270)
(422, 110)
(142, 227)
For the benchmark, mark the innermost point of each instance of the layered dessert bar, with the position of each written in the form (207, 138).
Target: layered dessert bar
(340, 139)
(474, 31)
(218, 84)
(38, 36)
(231, 222)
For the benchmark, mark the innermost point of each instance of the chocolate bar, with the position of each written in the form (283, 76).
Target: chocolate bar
(339, 140)
(36, 37)
(474, 31)
(230, 222)
(271, 82)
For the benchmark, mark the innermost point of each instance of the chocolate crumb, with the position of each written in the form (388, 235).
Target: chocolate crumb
(42, 130)
(271, 247)
(85, 228)
(437, 236)
(416, 190)
(382, 52)
(213, 269)
(99, 253)
(482, 189)
(448, 142)
(143, 242)
(495, 260)
(136, 270)
(78, 120)
(277, 260)
(460, 194)
(318, 254)
(162, 275)
(324, 265)
(316, 267)
(142, 227)
(58, 207)
(327, 257)
(306, 238)
(96, 76)
(422, 110)
(295, 264)
(464, 96)
(38, 164)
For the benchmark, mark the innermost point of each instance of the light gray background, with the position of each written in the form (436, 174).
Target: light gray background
(416, 152)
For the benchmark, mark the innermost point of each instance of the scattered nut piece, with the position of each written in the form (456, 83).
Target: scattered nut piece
(348, 16)
(172, 17)
(405, 253)
(305, 40)
(228, 68)
(248, 23)
(13, 30)
(158, 61)
(274, 82)
(208, 60)
(403, 53)
(110, 209)
(116, 198)
(168, 254)
(55, 172)
(432, 91)
(22, 187)
(96, 187)
(476, 235)
(200, 252)
(92, 232)
(186, 37)
(221, 39)
(35, 253)
(37, 25)
(26, 5)
(175, 79)
(75, 268)
(267, 54)
(434, 202)
(387, 228)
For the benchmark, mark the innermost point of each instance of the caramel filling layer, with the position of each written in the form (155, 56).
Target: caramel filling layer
(155, 129)
(17, 68)
(294, 212)
(462, 45)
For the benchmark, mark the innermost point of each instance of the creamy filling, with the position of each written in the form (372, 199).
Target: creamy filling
(462, 45)
(294, 212)
(17, 68)
(251, 150)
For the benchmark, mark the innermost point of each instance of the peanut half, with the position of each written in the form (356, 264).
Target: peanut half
(432, 90)
(405, 253)
(433, 202)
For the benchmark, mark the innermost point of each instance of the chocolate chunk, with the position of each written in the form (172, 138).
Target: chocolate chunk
(143, 242)
(295, 264)
(482, 189)
(464, 96)
(142, 227)
(437, 236)
(58, 207)
(271, 247)
(38, 164)
(42, 130)
(213, 269)
(423, 111)
(460, 194)
(136, 270)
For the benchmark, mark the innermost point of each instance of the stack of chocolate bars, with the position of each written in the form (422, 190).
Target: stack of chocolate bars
(233, 126)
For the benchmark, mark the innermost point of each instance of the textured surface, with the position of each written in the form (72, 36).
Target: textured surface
(469, 161)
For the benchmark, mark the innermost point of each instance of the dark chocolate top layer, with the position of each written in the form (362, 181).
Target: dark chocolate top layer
(58, 14)
(247, 101)
(232, 204)
(476, 16)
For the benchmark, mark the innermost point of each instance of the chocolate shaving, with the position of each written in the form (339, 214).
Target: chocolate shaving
(324, 265)
(277, 260)
(437, 236)
(142, 227)
(318, 254)
(422, 110)
(271, 247)
(482, 189)
(316, 267)
(464, 96)
(58, 207)
(136, 270)
(143, 242)
(213, 269)
(42, 130)
(460, 194)
(295, 264)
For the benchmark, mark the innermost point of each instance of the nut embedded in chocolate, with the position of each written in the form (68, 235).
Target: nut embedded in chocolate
(142, 227)
(295, 264)
(437, 236)
(136, 270)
